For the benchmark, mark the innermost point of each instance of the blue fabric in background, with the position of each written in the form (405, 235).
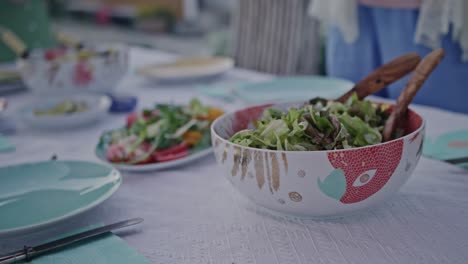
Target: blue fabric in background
(385, 34)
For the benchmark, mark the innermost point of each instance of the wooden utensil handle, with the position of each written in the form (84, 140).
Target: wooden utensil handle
(383, 76)
(417, 79)
(13, 42)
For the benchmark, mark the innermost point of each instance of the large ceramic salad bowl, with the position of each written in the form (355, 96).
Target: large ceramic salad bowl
(315, 183)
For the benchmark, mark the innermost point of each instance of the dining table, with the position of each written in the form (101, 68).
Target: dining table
(192, 214)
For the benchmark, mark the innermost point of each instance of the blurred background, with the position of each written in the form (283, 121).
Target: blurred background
(186, 27)
(280, 37)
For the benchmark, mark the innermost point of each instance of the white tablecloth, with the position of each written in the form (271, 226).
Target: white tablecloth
(192, 215)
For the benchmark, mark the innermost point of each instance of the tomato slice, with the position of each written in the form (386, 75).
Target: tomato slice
(53, 54)
(131, 118)
(115, 153)
(173, 150)
(172, 153)
(172, 156)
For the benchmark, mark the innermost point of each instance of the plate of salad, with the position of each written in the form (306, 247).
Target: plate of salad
(161, 137)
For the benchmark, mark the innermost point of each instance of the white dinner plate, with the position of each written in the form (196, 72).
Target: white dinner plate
(187, 69)
(98, 106)
(160, 165)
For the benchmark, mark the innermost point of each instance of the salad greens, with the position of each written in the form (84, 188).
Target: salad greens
(166, 132)
(318, 125)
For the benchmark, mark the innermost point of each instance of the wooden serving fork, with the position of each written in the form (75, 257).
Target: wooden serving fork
(419, 76)
(383, 76)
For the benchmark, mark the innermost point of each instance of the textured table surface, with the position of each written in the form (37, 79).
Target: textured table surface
(192, 215)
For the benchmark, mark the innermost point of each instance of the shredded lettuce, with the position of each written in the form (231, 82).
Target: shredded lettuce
(319, 125)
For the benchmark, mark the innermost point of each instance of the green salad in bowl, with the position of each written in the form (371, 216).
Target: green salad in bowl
(318, 125)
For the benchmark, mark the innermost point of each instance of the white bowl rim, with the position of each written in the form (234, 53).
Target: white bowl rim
(36, 54)
(213, 132)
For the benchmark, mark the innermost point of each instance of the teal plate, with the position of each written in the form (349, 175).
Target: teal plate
(451, 145)
(293, 89)
(35, 195)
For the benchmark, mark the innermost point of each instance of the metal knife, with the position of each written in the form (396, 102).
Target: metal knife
(457, 160)
(27, 253)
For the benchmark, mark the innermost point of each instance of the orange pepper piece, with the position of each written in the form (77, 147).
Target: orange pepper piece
(192, 137)
(214, 113)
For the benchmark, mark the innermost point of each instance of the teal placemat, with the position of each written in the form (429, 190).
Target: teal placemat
(296, 88)
(448, 146)
(108, 249)
(6, 145)
(225, 92)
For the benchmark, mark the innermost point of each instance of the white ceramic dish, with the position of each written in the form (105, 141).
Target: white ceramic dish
(161, 165)
(187, 69)
(315, 183)
(98, 106)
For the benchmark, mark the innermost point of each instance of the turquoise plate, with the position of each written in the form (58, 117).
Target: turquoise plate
(293, 89)
(450, 145)
(35, 195)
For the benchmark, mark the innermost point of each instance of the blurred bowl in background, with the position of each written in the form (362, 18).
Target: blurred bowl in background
(65, 111)
(98, 69)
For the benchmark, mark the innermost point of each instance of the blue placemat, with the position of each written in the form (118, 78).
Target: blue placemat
(448, 146)
(108, 249)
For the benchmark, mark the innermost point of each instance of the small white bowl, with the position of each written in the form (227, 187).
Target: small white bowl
(98, 106)
(315, 183)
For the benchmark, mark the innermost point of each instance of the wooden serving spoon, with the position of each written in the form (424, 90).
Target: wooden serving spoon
(383, 76)
(419, 76)
(14, 43)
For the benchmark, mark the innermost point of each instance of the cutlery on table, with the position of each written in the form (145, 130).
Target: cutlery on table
(27, 253)
(457, 161)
